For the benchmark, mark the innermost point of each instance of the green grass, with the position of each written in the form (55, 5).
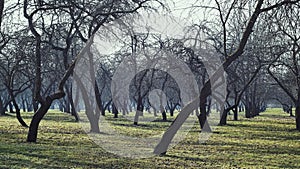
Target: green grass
(267, 141)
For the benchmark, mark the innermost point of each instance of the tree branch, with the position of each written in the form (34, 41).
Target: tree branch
(285, 2)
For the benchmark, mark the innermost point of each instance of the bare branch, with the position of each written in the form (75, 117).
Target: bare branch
(277, 5)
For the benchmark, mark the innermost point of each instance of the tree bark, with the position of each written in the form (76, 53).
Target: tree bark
(297, 113)
(115, 111)
(71, 101)
(10, 106)
(28, 105)
(35, 105)
(164, 115)
(18, 113)
(172, 112)
(60, 106)
(106, 107)
(291, 111)
(23, 104)
(223, 120)
(36, 119)
(2, 108)
(139, 110)
(235, 113)
(247, 112)
(98, 97)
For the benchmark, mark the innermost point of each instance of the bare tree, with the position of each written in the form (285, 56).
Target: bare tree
(93, 15)
(162, 147)
(285, 68)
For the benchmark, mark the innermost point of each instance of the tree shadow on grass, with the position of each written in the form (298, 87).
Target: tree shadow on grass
(183, 157)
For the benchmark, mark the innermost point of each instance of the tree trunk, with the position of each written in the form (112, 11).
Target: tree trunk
(223, 120)
(139, 111)
(23, 105)
(106, 107)
(92, 115)
(124, 112)
(14, 103)
(172, 112)
(115, 111)
(67, 105)
(130, 108)
(19, 117)
(35, 105)
(2, 111)
(74, 112)
(154, 112)
(203, 116)
(10, 106)
(136, 118)
(241, 108)
(28, 105)
(71, 101)
(94, 123)
(36, 119)
(73, 108)
(61, 107)
(235, 113)
(164, 115)
(297, 113)
(98, 97)
(291, 111)
(247, 112)
(2, 108)
(103, 112)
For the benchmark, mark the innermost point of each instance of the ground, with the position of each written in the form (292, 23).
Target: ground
(266, 141)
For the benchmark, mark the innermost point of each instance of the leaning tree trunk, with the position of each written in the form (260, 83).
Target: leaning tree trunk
(36, 119)
(205, 93)
(18, 113)
(45, 105)
(223, 116)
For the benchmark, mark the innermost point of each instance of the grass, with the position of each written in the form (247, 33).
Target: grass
(267, 141)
